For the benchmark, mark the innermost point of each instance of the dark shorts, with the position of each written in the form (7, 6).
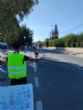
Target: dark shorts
(19, 81)
(36, 53)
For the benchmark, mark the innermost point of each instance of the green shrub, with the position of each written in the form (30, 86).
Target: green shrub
(70, 40)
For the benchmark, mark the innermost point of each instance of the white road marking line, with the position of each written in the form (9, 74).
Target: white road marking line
(76, 66)
(39, 105)
(36, 82)
(35, 68)
(69, 63)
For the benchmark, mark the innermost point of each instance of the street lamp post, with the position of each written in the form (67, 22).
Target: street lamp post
(24, 40)
(24, 43)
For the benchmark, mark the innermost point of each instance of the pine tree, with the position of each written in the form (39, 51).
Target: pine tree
(56, 31)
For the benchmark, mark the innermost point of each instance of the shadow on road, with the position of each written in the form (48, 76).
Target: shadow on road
(61, 85)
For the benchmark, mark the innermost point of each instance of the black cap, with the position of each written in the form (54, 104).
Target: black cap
(16, 45)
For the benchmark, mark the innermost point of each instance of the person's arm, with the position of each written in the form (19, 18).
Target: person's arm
(31, 59)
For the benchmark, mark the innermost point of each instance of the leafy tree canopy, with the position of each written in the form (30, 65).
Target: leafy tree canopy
(9, 10)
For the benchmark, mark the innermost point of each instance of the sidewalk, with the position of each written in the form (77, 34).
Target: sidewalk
(77, 54)
(2, 60)
(66, 52)
(2, 56)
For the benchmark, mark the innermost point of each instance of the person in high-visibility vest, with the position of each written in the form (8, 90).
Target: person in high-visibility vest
(17, 66)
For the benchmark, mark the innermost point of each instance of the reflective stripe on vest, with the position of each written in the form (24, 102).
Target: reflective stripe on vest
(17, 72)
(16, 67)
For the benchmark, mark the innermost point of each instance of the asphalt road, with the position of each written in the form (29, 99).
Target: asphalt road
(58, 82)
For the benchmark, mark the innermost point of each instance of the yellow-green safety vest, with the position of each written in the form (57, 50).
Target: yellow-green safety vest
(16, 67)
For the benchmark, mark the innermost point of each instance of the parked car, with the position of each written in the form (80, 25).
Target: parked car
(3, 45)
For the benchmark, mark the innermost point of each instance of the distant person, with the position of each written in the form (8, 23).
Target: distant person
(37, 50)
(16, 63)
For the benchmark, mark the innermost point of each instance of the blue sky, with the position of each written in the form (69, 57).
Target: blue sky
(65, 13)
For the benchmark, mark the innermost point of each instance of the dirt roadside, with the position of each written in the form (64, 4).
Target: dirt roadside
(77, 54)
